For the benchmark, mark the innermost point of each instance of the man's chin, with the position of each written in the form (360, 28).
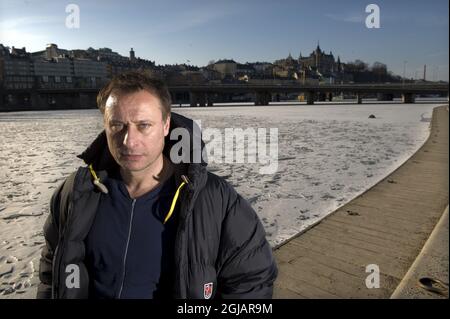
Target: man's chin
(133, 166)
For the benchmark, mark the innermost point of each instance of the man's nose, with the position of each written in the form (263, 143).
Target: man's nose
(130, 138)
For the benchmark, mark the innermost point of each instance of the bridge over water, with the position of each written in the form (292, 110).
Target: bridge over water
(208, 94)
(201, 94)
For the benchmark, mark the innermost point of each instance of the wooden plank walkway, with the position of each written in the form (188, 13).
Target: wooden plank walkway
(388, 225)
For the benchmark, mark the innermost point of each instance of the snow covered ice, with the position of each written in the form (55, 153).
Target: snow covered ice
(328, 155)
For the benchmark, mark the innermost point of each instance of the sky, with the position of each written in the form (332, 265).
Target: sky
(412, 33)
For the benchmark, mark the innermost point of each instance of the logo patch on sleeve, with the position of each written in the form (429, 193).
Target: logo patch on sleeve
(207, 290)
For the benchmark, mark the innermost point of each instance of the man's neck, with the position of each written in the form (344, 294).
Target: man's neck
(139, 183)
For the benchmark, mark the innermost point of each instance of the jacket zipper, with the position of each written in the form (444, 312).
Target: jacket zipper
(126, 248)
(180, 274)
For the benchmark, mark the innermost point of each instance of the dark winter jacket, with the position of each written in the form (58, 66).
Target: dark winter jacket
(219, 237)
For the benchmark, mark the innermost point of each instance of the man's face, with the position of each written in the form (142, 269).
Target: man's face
(135, 129)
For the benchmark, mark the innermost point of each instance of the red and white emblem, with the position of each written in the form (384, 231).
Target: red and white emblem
(207, 290)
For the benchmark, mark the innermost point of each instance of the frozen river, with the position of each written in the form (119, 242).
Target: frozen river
(327, 155)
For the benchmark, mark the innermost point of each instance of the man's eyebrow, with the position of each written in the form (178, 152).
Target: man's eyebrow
(135, 122)
(142, 121)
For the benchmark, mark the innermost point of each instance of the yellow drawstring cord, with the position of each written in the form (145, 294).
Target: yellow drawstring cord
(97, 182)
(91, 169)
(174, 201)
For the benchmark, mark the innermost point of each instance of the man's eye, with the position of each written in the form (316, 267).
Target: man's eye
(116, 127)
(144, 126)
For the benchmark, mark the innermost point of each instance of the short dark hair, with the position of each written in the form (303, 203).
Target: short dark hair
(132, 81)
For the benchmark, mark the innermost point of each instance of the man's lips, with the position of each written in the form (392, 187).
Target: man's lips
(131, 157)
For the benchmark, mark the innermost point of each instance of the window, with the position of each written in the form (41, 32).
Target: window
(45, 78)
(57, 79)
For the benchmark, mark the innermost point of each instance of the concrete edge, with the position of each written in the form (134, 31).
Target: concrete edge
(409, 278)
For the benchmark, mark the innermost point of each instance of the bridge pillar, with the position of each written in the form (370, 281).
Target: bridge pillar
(385, 97)
(209, 99)
(38, 101)
(262, 98)
(181, 98)
(310, 97)
(202, 99)
(267, 98)
(2, 98)
(358, 98)
(193, 97)
(408, 98)
(35, 101)
(74, 99)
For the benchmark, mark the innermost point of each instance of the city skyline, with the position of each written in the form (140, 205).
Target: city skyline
(411, 34)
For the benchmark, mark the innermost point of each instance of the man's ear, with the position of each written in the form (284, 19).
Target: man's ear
(167, 125)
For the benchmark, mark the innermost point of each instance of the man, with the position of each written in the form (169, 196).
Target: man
(133, 224)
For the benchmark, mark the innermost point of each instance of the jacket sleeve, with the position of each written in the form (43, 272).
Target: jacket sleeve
(51, 235)
(247, 268)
